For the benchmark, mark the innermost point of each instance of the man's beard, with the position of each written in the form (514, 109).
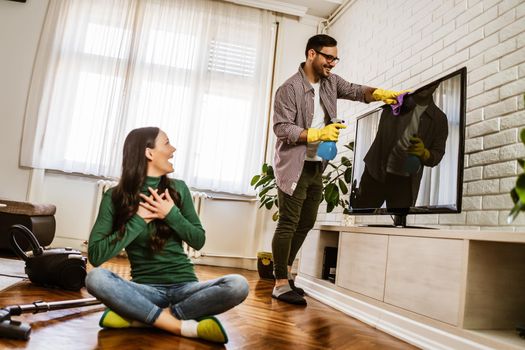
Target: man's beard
(320, 70)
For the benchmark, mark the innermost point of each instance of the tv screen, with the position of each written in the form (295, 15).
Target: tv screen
(408, 158)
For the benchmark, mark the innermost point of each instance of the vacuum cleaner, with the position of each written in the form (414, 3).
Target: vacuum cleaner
(59, 267)
(64, 268)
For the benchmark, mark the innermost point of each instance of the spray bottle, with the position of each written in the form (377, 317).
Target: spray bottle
(328, 149)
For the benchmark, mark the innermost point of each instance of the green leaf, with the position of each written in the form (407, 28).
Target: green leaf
(346, 162)
(264, 201)
(521, 162)
(514, 196)
(264, 168)
(269, 204)
(331, 192)
(515, 211)
(255, 179)
(348, 175)
(329, 207)
(275, 216)
(263, 180)
(522, 133)
(332, 197)
(270, 171)
(350, 146)
(260, 181)
(264, 191)
(343, 186)
(336, 199)
(520, 187)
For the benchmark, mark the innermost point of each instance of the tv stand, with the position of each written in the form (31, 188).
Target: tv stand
(392, 226)
(400, 220)
(458, 289)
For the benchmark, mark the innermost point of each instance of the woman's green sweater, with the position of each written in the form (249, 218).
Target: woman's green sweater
(171, 264)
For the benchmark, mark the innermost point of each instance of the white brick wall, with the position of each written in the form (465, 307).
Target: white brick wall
(407, 44)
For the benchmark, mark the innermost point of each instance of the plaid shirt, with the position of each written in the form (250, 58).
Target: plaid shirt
(293, 112)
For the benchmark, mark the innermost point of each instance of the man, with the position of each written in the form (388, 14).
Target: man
(305, 111)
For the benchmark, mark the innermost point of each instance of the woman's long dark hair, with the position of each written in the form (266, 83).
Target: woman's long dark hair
(125, 195)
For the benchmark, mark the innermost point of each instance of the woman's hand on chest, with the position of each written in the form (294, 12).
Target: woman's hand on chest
(158, 205)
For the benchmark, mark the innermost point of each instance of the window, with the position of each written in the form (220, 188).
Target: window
(193, 68)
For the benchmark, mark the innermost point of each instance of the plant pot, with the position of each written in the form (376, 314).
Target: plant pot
(265, 265)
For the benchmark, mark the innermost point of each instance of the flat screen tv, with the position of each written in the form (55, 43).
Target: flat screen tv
(408, 159)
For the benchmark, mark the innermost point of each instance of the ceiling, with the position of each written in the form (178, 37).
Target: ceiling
(318, 8)
(299, 8)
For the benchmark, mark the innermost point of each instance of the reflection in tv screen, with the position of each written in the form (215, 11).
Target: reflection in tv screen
(408, 158)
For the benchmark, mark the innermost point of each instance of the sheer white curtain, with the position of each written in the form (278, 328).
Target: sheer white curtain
(198, 69)
(439, 184)
(367, 128)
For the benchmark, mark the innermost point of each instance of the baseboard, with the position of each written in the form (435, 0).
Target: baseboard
(409, 330)
(208, 259)
(227, 261)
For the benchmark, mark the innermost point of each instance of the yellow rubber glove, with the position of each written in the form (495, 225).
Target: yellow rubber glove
(387, 96)
(328, 133)
(417, 148)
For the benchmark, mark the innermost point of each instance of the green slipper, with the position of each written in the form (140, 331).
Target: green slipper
(210, 328)
(110, 319)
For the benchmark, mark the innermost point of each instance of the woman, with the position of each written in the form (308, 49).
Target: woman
(150, 216)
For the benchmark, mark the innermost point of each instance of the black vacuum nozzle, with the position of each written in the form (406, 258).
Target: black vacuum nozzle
(14, 330)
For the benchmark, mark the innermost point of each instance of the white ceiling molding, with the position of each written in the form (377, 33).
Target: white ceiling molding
(274, 5)
(336, 14)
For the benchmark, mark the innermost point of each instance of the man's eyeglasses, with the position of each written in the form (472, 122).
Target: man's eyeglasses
(329, 58)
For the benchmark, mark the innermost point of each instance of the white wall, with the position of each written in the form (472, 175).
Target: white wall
(20, 26)
(235, 230)
(398, 45)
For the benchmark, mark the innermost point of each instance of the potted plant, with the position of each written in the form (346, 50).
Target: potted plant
(335, 184)
(518, 192)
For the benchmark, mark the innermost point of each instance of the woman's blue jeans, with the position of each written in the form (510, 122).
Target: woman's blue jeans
(186, 300)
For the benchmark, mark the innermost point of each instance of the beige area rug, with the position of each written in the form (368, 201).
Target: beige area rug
(11, 272)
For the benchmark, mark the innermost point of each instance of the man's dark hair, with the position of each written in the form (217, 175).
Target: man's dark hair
(317, 42)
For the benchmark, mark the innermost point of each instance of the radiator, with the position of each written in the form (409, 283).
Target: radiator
(102, 186)
(198, 198)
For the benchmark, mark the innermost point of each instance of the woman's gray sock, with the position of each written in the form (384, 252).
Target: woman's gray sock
(279, 290)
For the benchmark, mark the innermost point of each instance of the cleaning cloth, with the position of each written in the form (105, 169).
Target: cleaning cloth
(396, 107)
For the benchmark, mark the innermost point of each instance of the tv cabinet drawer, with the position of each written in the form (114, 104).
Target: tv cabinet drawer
(424, 275)
(362, 263)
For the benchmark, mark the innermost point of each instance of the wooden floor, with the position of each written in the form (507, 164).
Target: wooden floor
(259, 323)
